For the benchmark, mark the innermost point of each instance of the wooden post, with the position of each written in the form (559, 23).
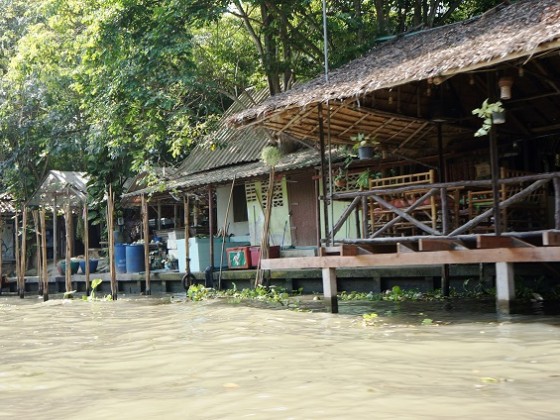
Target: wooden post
(365, 215)
(187, 217)
(110, 228)
(18, 256)
(211, 223)
(38, 256)
(86, 246)
(44, 277)
(556, 183)
(505, 286)
(323, 170)
(1, 253)
(224, 231)
(158, 221)
(146, 234)
(55, 233)
(259, 278)
(68, 272)
(329, 289)
(23, 259)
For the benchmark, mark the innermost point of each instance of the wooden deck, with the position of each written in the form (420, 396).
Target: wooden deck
(503, 251)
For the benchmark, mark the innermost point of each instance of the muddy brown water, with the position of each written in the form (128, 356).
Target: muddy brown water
(165, 358)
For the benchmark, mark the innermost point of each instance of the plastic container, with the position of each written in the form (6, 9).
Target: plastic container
(120, 258)
(238, 257)
(92, 265)
(273, 252)
(135, 258)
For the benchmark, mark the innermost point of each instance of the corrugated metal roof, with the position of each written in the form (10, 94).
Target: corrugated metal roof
(238, 145)
(297, 160)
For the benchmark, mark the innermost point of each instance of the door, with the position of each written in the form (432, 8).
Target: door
(303, 212)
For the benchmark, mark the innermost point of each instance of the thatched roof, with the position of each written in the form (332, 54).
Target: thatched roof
(384, 90)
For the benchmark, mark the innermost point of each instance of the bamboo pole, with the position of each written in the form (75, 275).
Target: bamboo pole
(23, 259)
(67, 271)
(86, 247)
(44, 271)
(38, 257)
(18, 256)
(266, 227)
(110, 227)
(224, 231)
(146, 229)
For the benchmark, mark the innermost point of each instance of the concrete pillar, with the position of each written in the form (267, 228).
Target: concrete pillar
(505, 286)
(329, 289)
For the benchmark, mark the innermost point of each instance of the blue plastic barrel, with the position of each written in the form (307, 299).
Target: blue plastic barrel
(120, 258)
(134, 258)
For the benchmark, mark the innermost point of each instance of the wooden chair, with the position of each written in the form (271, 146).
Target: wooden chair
(529, 213)
(427, 211)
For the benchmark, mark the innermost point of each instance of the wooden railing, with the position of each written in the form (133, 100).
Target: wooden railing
(453, 203)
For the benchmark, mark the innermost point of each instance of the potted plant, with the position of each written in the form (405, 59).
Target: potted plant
(340, 179)
(364, 145)
(363, 179)
(491, 113)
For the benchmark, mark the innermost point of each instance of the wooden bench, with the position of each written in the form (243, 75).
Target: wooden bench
(407, 200)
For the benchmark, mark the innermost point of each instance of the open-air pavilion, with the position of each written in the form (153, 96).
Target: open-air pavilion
(441, 196)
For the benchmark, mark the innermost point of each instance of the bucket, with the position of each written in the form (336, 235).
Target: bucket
(134, 258)
(120, 258)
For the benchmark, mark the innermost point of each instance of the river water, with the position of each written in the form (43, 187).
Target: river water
(167, 358)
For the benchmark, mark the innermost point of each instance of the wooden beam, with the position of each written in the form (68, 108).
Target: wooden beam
(406, 248)
(472, 256)
(551, 238)
(443, 244)
(488, 242)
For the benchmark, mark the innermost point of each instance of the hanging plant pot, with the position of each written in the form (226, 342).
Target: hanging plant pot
(365, 152)
(499, 117)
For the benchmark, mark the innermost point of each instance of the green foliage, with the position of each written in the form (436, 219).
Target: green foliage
(485, 112)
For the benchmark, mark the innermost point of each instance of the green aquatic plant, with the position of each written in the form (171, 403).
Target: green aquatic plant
(95, 283)
(198, 292)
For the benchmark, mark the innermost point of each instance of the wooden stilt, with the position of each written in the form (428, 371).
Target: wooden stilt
(211, 227)
(18, 256)
(1, 255)
(86, 247)
(329, 289)
(68, 271)
(445, 279)
(146, 234)
(44, 277)
(23, 259)
(110, 229)
(55, 232)
(35, 214)
(505, 286)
